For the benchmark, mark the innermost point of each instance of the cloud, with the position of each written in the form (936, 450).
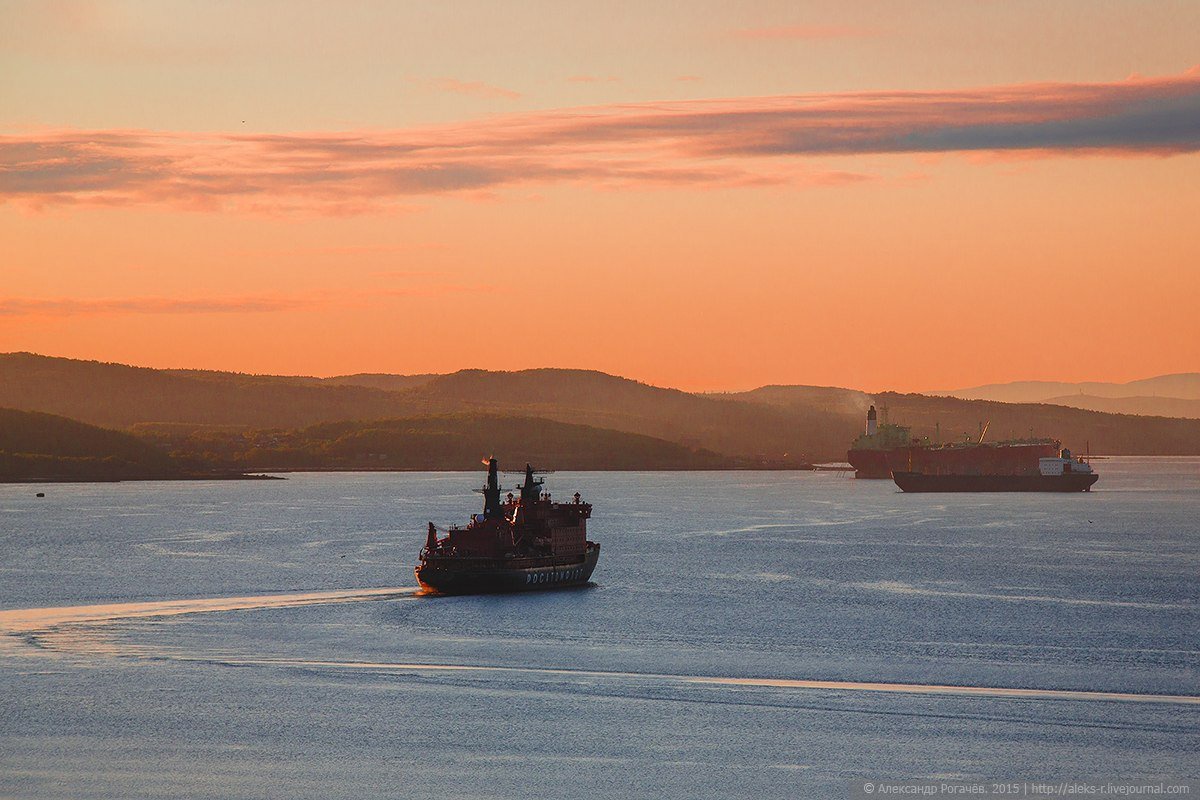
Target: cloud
(69, 306)
(700, 144)
(418, 286)
(475, 89)
(802, 32)
(592, 79)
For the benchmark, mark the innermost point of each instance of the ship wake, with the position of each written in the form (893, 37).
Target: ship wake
(78, 630)
(774, 683)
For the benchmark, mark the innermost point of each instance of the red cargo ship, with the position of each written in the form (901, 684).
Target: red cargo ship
(885, 449)
(523, 543)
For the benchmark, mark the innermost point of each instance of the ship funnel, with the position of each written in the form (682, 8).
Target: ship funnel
(872, 422)
(491, 491)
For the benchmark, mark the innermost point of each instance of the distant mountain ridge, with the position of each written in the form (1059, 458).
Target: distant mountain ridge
(1176, 395)
(1183, 385)
(951, 419)
(1141, 406)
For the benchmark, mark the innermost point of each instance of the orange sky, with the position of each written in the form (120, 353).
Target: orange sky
(915, 199)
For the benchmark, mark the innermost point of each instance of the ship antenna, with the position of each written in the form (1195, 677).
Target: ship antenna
(530, 489)
(983, 431)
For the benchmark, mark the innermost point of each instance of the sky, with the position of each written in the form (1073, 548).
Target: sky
(704, 195)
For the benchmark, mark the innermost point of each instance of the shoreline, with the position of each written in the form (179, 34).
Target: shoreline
(76, 479)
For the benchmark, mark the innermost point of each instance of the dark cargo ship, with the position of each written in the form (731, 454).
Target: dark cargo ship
(884, 449)
(523, 543)
(1056, 474)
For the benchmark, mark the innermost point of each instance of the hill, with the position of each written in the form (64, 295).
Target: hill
(444, 442)
(384, 381)
(44, 447)
(722, 423)
(121, 396)
(116, 395)
(774, 425)
(826, 399)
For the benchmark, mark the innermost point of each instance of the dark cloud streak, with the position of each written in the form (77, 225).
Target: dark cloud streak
(699, 144)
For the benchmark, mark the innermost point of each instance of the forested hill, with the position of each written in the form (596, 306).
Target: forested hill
(444, 442)
(121, 396)
(779, 425)
(40, 447)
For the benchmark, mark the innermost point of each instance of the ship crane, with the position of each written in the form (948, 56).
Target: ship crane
(983, 431)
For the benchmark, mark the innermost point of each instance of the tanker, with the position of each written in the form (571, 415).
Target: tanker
(519, 544)
(1061, 473)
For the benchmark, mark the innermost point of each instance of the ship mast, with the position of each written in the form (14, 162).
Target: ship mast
(530, 489)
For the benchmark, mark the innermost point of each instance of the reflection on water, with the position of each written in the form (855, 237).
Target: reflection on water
(748, 634)
(23, 620)
(72, 630)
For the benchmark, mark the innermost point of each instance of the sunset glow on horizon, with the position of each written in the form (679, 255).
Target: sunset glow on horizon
(875, 198)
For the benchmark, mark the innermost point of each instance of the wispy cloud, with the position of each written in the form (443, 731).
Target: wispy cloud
(802, 32)
(475, 89)
(592, 79)
(418, 285)
(703, 143)
(69, 306)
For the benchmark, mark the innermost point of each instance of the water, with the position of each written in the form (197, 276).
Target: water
(747, 634)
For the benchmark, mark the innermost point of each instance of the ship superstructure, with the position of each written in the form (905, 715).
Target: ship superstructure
(869, 452)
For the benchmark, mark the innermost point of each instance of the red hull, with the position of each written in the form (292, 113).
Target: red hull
(1070, 482)
(869, 463)
(958, 459)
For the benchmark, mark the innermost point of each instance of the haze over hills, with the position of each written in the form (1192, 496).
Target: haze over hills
(1184, 385)
(1141, 406)
(1164, 395)
(716, 422)
(780, 426)
(1112, 434)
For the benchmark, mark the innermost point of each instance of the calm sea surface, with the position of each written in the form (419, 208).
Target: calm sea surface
(747, 635)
